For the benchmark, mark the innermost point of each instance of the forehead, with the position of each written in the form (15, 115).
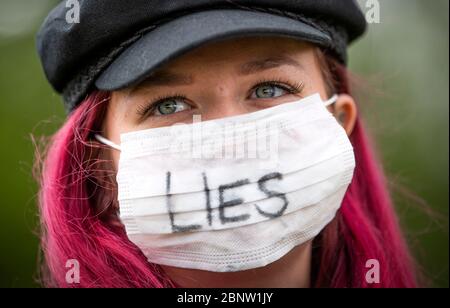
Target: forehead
(240, 50)
(235, 57)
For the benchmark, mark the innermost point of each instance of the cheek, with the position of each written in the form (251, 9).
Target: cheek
(316, 84)
(117, 118)
(112, 128)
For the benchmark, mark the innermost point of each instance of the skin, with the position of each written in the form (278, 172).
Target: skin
(218, 88)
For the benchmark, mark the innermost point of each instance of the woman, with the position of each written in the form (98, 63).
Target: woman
(122, 197)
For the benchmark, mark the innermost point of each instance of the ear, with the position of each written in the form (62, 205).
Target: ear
(346, 112)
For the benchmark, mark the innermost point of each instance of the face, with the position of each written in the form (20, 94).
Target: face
(219, 80)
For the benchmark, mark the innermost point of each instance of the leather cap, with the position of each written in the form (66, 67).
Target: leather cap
(119, 43)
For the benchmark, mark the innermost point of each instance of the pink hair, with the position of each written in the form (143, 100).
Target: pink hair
(79, 221)
(366, 227)
(73, 226)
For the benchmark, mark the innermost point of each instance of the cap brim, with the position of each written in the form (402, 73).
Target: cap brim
(174, 38)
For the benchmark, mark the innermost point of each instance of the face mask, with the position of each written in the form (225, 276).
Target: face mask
(235, 193)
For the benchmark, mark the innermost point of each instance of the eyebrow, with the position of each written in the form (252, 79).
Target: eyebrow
(257, 66)
(168, 79)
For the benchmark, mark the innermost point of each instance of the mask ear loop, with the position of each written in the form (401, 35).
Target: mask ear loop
(331, 101)
(107, 142)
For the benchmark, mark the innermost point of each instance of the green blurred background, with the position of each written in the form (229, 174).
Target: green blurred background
(404, 64)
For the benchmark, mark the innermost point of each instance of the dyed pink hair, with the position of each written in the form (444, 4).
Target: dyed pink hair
(77, 212)
(78, 215)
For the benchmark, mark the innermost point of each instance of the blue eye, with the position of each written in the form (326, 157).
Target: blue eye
(269, 91)
(170, 106)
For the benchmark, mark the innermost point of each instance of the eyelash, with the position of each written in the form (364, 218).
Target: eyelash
(294, 88)
(146, 108)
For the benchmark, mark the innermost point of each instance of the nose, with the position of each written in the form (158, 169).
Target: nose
(222, 103)
(225, 108)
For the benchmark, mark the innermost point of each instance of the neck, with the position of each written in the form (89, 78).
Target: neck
(291, 271)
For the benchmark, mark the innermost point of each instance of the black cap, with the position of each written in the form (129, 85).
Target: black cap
(119, 43)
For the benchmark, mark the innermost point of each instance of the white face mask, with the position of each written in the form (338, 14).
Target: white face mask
(186, 202)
